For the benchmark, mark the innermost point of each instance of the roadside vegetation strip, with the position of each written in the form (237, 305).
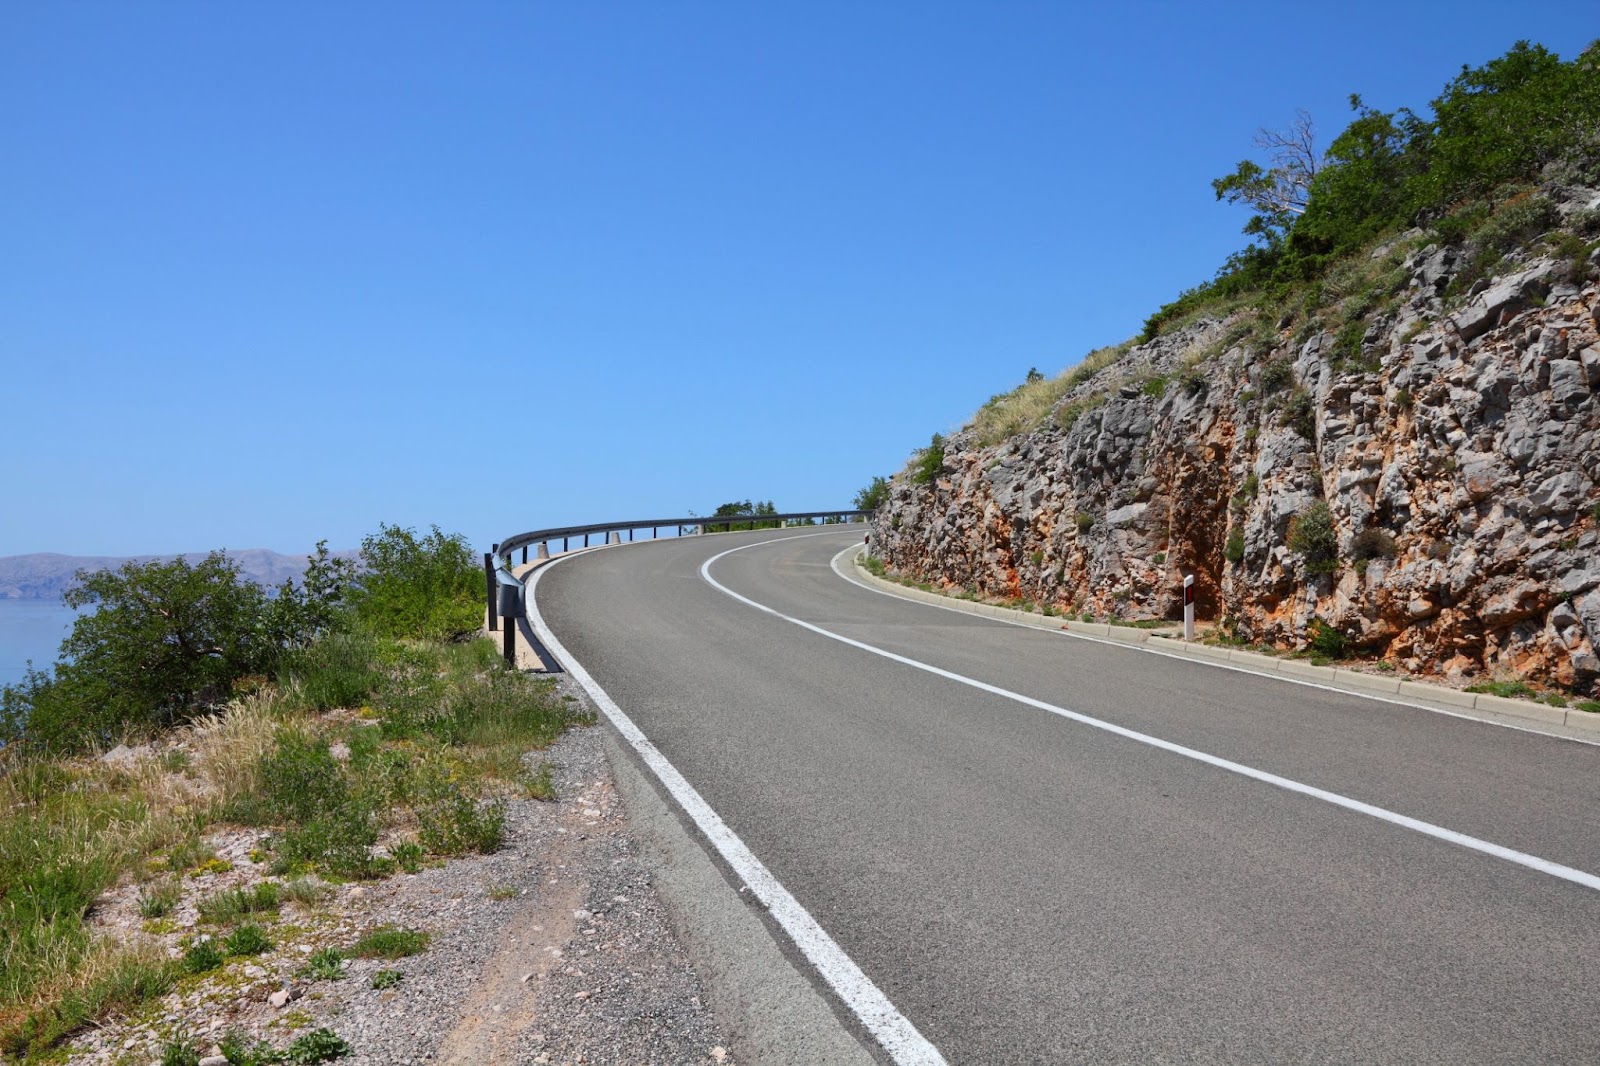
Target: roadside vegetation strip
(897, 1035)
(1533, 862)
(1240, 661)
(367, 746)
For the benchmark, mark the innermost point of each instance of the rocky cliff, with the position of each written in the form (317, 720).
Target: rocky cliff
(1410, 455)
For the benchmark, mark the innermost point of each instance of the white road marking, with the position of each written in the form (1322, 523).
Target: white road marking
(1533, 862)
(905, 1045)
(1375, 697)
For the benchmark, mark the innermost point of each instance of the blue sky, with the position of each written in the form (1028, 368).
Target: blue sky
(277, 272)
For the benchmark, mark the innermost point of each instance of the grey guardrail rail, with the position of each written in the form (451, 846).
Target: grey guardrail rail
(704, 522)
(505, 592)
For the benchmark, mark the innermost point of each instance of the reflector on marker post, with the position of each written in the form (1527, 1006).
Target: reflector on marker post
(1188, 607)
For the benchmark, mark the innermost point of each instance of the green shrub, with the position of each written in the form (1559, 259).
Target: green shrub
(1326, 641)
(1085, 521)
(1155, 385)
(428, 588)
(929, 463)
(239, 1051)
(1277, 376)
(390, 942)
(340, 670)
(1233, 550)
(180, 1052)
(326, 964)
(386, 979)
(873, 496)
(248, 939)
(1299, 415)
(1312, 536)
(201, 956)
(408, 854)
(319, 1045)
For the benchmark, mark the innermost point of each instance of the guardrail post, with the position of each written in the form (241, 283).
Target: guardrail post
(510, 647)
(489, 588)
(524, 555)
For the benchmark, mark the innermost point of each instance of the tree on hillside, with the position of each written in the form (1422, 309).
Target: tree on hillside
(1279, 191)
(875, 495)
(166, 639)
(739, 508)
(427, 587)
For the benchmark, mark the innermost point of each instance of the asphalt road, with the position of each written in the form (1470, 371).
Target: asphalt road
(1029, 889)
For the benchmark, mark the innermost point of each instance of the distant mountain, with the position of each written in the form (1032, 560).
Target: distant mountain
(46, 575)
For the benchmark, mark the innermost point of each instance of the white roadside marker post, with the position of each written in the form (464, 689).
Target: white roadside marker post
(1188, 607)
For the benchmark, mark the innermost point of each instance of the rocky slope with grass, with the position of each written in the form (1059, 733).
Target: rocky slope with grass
(1400, 461)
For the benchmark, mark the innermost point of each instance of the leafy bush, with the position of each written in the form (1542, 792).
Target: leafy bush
(1084, 521)
(339, 670)
(1327, 642)
(202, 955)
(408, 855)
(167, 640)
(1277, 376)
(929, 462)
(1233, 550)
(873, 496)
(326, 964)
(428, 588)
(1312, 536)
(248, 939)
(319, 1045)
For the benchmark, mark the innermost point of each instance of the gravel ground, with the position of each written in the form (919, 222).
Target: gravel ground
(555, 949)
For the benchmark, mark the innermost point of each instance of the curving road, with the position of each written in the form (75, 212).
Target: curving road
(1031, 888)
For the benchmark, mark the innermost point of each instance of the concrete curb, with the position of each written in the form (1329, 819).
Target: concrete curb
(1496, 709)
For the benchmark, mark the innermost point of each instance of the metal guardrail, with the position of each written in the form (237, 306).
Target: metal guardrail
(704, 522)
(505, 591)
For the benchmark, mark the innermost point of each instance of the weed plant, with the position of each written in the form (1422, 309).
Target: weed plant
(390, 942)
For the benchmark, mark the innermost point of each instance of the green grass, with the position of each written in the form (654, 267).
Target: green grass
(234, 904)
(304, 891)
(202, 956)
(501, 892)
(1506, 689)
(1590, 706)
(159, 899)
(446, 729)
(326, 964)
(390, 942)
(248, 939)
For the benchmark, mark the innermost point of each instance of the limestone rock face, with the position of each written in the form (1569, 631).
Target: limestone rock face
(1459, 458)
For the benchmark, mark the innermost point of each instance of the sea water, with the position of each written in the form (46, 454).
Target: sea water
(31, 629)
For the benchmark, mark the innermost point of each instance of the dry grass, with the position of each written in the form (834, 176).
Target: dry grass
(1029, 405)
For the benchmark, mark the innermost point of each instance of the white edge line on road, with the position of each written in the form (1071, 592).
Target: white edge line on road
(905, 1045)
(1533, 862)
(1375, 697)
